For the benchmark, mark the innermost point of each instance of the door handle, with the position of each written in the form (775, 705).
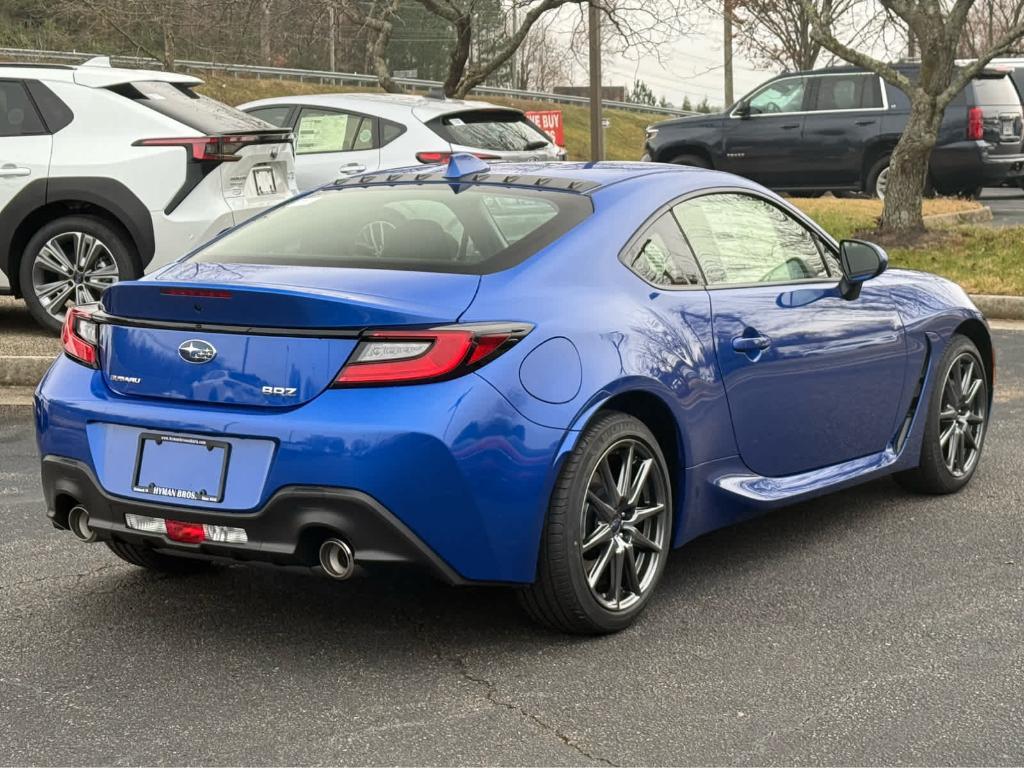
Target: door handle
(10, 169)
(751, 344)
(865, 122)
(353, 168)
(790, 126)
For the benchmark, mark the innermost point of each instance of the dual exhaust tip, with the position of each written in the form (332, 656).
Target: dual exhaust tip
(336, 557)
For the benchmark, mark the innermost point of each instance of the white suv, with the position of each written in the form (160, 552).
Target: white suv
(106, 173)
(342, 134)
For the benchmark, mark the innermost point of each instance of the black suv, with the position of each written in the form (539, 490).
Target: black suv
(835, 128)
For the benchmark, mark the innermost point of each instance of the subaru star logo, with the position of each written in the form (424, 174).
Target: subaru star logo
(197, 351)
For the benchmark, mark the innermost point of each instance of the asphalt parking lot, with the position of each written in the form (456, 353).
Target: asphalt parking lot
(1007, 206)
(870, 627)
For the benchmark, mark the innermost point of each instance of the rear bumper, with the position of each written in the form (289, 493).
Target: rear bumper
(453, 461)
(285, 531)
(968, 164)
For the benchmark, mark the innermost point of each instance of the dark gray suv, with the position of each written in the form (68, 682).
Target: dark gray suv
(835, 129)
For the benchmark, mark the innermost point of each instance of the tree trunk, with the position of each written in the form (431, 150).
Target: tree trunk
(265, 32)
(908, 167)
(454, 85)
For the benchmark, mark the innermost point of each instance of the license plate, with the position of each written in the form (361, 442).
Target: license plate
(182, 468)
(266, 184)
(1007, 128)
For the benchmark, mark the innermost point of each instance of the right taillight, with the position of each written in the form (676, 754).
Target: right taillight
(218, 149)
(430, 158)
(975, 124)
(417, 356)
(80, 336)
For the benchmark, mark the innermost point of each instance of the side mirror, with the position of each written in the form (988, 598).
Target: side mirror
(743, 110)
(860, 261)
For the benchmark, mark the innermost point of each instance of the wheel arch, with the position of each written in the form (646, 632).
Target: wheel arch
(977, 332)
(670, 153)
(45, 200)
(873, 152)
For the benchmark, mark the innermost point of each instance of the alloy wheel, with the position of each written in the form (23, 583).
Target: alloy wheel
(962, 415)
(882, 183)
(624, 528)
(72, 267)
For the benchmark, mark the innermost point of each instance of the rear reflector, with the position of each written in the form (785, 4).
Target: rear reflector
(407, 357)
(80, 336)
(186, 533)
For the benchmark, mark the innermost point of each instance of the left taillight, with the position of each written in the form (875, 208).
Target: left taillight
(418, 356)
(217, 149)
(80, 336)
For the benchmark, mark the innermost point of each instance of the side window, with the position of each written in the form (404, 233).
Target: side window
(277, 115)
(18, 116)
(853, 91)
(324, 130)
(390, 131)
(785, 95)
(743, 239)
(661, 256)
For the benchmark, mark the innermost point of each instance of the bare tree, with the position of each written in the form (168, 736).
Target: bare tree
(774, 32)
(938, 29)
(540, 62)
(986, 22)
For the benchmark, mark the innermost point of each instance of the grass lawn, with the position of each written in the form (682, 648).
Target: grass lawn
(981, 259)
(624, 137)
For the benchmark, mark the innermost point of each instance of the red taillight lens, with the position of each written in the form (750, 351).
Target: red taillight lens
(80, 336)
(221, 149)
(975, 124)
(405, 357)
(442, 157)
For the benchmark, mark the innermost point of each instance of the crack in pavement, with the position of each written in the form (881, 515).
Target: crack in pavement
(491, 695)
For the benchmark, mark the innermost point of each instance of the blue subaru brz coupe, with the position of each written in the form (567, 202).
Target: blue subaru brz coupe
(542, 375)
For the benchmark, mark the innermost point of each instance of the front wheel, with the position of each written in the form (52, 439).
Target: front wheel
(608, 531)
(957, 418)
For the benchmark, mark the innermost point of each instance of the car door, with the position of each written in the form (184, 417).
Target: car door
(845, 117)
(25, 146)
(761, 138)
(331, 144)
(812, 379)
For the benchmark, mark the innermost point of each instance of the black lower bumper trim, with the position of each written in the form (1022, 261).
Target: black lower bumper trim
(287, 530)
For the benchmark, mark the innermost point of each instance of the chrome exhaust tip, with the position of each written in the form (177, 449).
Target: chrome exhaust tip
(78, 524)
(336, 559)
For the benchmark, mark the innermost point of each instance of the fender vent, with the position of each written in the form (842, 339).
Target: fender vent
(904, 431)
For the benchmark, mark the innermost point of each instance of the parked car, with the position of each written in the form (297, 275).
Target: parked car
(835, 129)
(106, 172)
(521, 374)
(340, 134)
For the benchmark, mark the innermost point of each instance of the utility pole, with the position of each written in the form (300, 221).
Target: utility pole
(727, 50)
(332, 26)
(515, 53)
(596, 125)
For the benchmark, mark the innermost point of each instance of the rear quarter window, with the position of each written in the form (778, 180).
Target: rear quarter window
(181, 103)
(494, 129)
(995, 91)
(427, 227)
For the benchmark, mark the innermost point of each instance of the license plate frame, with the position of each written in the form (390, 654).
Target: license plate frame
(1007, 128)
(181, 494)
(265, 181)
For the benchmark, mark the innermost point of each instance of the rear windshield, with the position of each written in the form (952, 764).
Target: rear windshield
(493, 129)
(190, 108)
(997, 91)
(429, 227)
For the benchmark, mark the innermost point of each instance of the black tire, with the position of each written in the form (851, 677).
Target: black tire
(149, 558)
(114, 239)
(933, 475)
(871, 181)
(561, 597)
(696, 161)
(970, 193)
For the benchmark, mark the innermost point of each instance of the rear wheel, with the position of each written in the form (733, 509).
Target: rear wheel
(693, 160)
(608, 531)
(149, 558)
(878, 178)
(71, 261)
(957, 420)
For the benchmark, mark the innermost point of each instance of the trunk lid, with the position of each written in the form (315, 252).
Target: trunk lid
(254, 335)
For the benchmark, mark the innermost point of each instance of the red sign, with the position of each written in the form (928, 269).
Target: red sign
(549, 121)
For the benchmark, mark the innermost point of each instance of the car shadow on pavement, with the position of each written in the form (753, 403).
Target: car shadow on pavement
(266, 610)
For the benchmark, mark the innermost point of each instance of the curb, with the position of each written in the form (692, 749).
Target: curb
(23, 370)
(999, 307)
(975, 216)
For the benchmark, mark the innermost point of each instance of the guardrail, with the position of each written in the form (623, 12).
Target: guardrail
(326, 76)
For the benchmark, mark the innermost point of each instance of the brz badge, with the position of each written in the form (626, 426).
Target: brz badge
(197, 351)
(283, 391)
